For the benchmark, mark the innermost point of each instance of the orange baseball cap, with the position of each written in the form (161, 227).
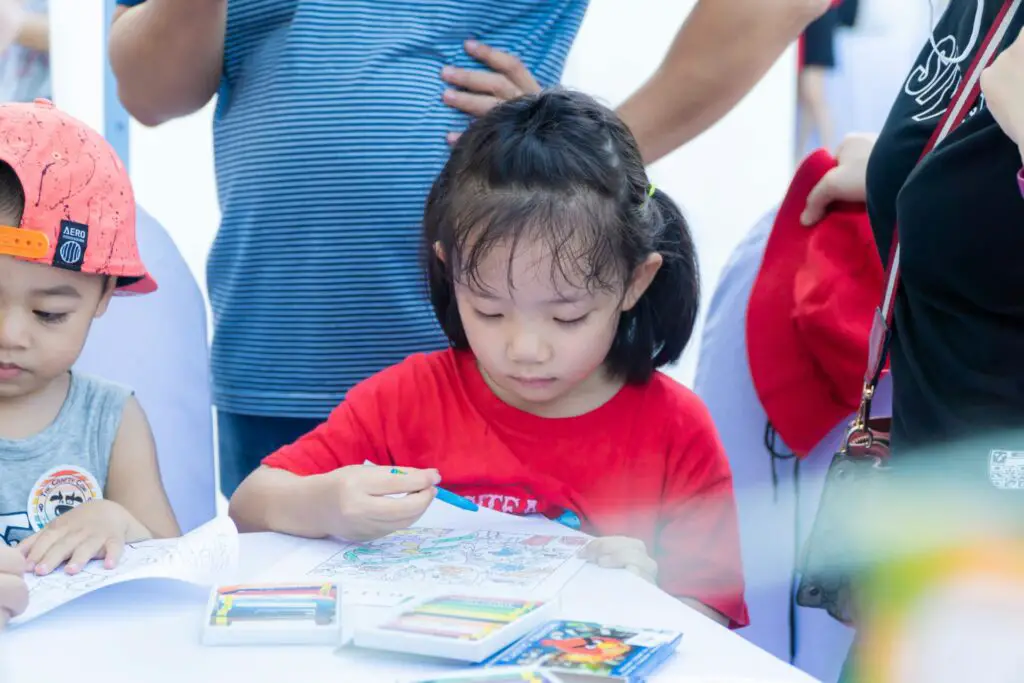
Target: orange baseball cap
(79, 204)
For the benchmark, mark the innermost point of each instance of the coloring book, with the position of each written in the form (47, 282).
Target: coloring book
(425, 558)
(196, 557)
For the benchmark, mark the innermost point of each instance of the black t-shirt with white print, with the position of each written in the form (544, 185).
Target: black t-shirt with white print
(957, 351)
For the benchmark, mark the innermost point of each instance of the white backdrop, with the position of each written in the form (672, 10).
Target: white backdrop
(725, 180)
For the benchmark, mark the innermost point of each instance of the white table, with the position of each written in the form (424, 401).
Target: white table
(149, 631)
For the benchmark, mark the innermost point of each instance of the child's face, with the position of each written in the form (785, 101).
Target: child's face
(45, 314)
(542, 342)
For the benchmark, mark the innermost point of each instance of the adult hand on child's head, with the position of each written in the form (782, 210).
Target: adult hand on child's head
(480, 90)
(13, 591)
(96, 529)
(366, 503)
(622, 552)
(847, 182)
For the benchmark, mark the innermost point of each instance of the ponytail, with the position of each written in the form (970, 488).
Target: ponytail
(656, 330)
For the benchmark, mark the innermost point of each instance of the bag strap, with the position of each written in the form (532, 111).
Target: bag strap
(967, 93)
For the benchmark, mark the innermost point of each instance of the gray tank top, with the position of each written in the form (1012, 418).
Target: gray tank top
(64, 465)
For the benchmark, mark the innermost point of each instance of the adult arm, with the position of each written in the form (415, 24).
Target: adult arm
(168, 56)
(1001, 84)
(722, 50)
(35, 33)
(18, 26)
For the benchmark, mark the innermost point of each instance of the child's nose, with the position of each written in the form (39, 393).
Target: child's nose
(527, 347)
(12, 331)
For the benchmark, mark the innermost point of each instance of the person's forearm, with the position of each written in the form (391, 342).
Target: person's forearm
(275, 500)
(168, 56)
(723, 49)
(35, 33)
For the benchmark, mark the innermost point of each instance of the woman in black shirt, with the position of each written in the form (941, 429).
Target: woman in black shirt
(957, 342)
(957, 347)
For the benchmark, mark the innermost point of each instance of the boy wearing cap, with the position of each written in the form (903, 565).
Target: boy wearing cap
(78, 470)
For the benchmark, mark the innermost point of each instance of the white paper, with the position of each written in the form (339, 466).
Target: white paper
(370, 596)
(421, 560)
(198, 557)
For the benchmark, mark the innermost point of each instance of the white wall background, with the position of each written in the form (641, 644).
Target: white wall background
(724, 180)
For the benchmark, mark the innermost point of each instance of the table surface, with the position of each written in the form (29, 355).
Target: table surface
(150, 630)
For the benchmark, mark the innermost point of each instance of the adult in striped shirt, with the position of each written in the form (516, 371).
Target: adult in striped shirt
(331, 123)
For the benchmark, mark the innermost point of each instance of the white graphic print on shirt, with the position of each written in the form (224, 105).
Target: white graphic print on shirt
(933, 81)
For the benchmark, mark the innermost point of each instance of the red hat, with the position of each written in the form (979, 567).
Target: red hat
(810, 313)
(79, 206)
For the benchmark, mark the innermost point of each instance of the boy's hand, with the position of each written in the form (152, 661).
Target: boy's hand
(96, 529)
(622, 552)
(363, 503)
(13, 591)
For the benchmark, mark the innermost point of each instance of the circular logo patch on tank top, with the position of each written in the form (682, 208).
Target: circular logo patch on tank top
(59, 491)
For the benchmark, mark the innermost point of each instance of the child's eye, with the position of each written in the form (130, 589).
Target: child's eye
(488, 316)
(51, 318)
(573, 321)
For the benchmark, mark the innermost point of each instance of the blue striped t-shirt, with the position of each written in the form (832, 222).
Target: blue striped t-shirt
(328, 133)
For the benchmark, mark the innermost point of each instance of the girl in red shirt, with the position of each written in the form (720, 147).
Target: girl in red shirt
(563, 280)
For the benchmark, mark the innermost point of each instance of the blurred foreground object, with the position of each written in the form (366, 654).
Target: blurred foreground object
(953, 614)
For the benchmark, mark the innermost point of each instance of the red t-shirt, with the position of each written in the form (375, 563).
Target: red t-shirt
(647, 464)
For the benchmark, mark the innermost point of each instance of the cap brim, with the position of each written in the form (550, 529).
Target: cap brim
(145, 285)
(796, 395)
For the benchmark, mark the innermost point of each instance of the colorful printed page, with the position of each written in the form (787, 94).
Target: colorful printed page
(420, 561)
(197, 557)
(586, 648)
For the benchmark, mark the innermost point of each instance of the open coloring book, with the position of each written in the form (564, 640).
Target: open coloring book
(421, 559)
(197, 557)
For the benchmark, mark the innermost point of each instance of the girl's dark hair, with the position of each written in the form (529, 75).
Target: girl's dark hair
(561, 168)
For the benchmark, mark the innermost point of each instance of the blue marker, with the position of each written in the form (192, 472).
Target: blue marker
(448, 497)
(456, 500)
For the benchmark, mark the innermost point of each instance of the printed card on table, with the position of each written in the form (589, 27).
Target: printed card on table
(574, 648)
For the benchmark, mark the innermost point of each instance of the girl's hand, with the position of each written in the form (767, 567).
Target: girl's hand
(481, 91)
(361, 503)
(847, 182)
(13, 591)
(622, 552)
(1003, 86)
(97, 529)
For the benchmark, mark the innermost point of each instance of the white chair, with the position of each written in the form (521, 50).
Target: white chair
(777, 500)
(158, 345)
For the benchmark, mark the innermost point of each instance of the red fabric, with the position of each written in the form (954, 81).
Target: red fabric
(647, 464)
(810, 313)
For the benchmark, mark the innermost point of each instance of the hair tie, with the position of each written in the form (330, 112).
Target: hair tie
(651, 189)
